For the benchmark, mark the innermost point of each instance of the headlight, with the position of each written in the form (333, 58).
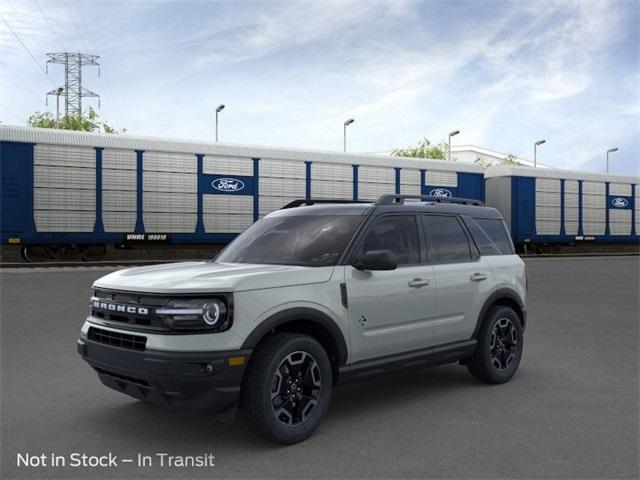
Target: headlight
(196, 314)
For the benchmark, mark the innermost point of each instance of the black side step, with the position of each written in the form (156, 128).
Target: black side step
(428, 357)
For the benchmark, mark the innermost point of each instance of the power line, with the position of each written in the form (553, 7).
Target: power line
(28, 51)
(35, 95)
(32, 36)
(75, 26)
(50, 25)
(11, 113)
(106, 85)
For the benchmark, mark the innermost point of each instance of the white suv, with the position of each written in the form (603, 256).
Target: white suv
(315, 294)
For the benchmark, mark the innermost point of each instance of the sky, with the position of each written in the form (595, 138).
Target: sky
(504, 73)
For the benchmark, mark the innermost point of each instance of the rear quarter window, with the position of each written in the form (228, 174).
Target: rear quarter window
(497, 231)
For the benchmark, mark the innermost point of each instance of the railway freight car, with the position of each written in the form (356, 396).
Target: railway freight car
(553, 207)
(84, 191)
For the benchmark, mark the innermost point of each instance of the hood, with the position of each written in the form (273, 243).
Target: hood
(206, 277)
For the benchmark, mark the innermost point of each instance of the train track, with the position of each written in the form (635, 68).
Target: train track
(140, 263)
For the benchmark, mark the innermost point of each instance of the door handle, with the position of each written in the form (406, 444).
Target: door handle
(418, 282)
(478, 277)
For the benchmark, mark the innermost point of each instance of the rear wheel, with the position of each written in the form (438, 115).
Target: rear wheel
(499, 349)
(287, 387)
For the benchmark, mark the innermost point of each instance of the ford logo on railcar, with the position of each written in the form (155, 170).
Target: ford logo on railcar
(228, 184)
(440, 192)
(619, 202)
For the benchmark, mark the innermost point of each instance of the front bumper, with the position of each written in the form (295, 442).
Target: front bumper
(195, 381)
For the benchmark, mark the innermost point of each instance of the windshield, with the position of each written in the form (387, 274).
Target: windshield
(311, 241)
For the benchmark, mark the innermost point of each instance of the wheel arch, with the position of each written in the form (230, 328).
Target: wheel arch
(306, 321)
(506, 297)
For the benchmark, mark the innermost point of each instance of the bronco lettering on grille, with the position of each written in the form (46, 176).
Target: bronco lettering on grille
(114, 307)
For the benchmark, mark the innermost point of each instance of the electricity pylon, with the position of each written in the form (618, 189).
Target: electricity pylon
(73, 91)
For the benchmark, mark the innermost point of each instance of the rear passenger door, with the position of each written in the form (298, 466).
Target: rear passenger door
(462, 277)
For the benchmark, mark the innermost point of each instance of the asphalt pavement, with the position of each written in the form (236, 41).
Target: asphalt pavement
(572, 411)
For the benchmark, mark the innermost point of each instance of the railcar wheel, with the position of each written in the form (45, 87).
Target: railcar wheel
(93, 253)
(40, 253)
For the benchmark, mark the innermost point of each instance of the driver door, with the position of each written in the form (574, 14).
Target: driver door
(391, 311)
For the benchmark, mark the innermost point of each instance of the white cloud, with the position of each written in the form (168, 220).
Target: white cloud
(291, 72)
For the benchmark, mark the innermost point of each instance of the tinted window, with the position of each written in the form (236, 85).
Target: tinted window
(311, 241)
(483, 242)
(398, 234)
(497, 231)
(446, 239)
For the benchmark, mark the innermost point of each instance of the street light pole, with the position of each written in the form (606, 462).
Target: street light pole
(452, 134)
(344, 133)
(611, 150)
(59, 91)
(218, 110)
(535, 152)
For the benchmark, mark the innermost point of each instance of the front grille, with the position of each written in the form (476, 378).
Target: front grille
(117, 339)
(125, 301)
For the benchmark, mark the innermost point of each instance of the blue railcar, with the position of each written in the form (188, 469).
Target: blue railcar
(86, 190)
(549, 206)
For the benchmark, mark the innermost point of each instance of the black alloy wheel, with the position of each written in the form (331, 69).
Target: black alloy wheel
(286, 388)
(499, 348)
(296, 388)
(504, 343)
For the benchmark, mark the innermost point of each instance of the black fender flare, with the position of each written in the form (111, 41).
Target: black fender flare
(495, 297)
(300, 314)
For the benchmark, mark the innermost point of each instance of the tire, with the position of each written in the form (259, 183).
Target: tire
(275, 362)
(499, 349)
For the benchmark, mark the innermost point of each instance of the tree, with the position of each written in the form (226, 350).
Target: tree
(510, 159)
(424, 150)
(86, 123)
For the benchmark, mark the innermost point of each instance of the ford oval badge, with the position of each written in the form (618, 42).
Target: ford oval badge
(228, 185)
(620, 202)
(440, 192)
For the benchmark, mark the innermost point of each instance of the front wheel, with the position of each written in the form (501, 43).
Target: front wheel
(286, 389)
(499, 349)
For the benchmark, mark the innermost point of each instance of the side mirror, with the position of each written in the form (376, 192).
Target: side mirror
(377, 260)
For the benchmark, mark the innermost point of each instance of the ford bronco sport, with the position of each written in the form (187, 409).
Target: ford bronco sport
(315, 294)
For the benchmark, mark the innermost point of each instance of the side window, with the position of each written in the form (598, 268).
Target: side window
(397, 233)
(497, 231)
(446, 239)
(485, 245)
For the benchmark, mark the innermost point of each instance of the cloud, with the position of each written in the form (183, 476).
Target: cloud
(284, 25)
(291, 72)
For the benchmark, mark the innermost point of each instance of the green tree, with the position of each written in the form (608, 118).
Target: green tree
(510, 159)
(89, 122)
(424, 150)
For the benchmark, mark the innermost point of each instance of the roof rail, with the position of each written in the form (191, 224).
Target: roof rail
(310, 201)
(397, 199)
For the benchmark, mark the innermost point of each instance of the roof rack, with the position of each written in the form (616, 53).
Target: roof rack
(310, 201)
(391, 199)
